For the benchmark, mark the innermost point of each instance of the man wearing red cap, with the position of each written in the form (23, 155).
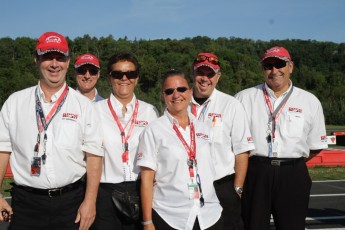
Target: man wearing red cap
(288, 125)
(87, 72)
(231, 140)
(52, 136)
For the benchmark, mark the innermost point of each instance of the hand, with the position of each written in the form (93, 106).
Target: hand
(6, 211)
(86, 215)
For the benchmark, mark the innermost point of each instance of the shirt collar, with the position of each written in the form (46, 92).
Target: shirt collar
(117, 104)
(54, 97)
(271, 92)
(173, 120)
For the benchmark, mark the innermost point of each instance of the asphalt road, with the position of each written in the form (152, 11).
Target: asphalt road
(326, 206)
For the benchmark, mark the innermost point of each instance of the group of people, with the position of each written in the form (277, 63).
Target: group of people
(211, 161)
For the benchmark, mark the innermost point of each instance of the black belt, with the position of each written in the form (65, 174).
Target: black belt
(227, 178)
(54, 191)
(276, 161)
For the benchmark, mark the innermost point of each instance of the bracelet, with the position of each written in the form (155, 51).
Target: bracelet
(146, 222)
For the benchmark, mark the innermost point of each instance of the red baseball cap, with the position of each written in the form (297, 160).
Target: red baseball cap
(276, 52)
(85, 59)
(52, 41)
(207, 59)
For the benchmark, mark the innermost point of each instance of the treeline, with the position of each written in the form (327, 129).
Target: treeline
(319, 66)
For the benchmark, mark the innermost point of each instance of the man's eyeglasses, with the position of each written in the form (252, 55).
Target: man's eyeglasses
(277, 65)
(92, 71)
(199, 72)
(212, 60)
(119, 74)
(170, 91)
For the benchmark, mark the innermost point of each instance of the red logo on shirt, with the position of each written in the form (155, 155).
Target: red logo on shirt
(323, 139)
(139, 155)
(141, 123)
(250, 139)
(295, 110)
(69, 116)
(215, 115)
(202, 135)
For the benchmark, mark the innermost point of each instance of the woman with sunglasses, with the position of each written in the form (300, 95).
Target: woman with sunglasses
(176, 167)
(123, 118)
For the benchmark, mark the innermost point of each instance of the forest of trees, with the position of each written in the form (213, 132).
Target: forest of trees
(319, 66)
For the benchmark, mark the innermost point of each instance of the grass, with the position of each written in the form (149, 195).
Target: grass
(327, 173)
(6, 186)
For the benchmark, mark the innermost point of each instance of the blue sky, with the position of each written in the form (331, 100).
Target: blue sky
(320, 20)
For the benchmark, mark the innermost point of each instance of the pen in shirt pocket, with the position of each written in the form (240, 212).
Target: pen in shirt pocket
(214, 120)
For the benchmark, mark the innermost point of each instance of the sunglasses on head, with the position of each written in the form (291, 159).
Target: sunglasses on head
(180, 89)
(119, 74)
(212, 60)
(277, 65)
(82, 71)
(198, 72)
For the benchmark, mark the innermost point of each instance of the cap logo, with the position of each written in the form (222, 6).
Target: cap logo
(276, 50)
(87, 57)
(54, 39)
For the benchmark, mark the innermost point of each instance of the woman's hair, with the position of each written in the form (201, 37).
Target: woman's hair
(172, 73)
(123, 57)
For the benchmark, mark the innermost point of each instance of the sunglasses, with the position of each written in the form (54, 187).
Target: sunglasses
(212, 60)
(180, 89)
(277, 65)
(92, 71)
(198, 72)
(119, 74)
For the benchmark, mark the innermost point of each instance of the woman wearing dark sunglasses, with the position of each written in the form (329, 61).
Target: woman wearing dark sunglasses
(177, 172)
(123, 118)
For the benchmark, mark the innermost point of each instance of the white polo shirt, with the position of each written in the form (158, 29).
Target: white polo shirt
(300, 125)
(161, 150)
(113, 170)
(231, 130)
(74, 130)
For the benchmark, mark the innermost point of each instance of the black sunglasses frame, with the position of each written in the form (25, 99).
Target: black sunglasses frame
(119, 74)
(277, 65)
(180, 89)
(92, 71)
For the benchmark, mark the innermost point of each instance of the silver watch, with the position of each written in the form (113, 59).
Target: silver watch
(239, 190)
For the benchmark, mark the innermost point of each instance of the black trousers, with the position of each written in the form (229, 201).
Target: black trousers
(231, 203)
(160, 224)
(39, 212)
(107, 216)
(282, 191)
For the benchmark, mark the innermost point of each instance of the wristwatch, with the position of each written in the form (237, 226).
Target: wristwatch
(239, 190)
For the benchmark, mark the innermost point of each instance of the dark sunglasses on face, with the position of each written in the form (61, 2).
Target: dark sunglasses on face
(82, 71)
(202, 73)
(212, 60)
(277, 65)
(180, 89)
(119, 74)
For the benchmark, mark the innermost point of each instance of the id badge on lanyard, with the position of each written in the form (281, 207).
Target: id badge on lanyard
(42, 125)
(126, 164)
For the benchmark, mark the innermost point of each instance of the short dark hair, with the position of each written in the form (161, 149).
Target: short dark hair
(123, 57)
(171, 73)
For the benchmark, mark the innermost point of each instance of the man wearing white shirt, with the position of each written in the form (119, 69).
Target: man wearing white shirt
(288, 125)
(87, 73)
(232, 139)
(52, 137)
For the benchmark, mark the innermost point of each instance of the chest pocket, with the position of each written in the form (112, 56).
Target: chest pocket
(67, 134)
(217, 131)
(293, 124)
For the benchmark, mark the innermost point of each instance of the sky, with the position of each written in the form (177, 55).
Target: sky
(265, 20)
